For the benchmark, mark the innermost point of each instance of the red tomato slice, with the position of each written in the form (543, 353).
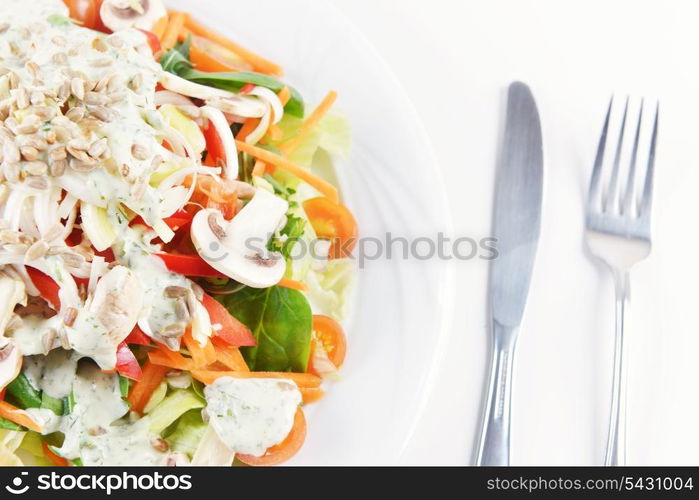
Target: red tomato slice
(127, 364)
(189, 265)
(48, 289)
(232, 331)
(137, 337)
(153, 41)
(87, 12)
(214, 146)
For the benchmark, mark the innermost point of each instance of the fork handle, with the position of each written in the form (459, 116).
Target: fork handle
(494, 442)
(616, 442)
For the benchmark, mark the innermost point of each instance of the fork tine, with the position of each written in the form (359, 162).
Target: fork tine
(631, 180)
(596, 178)
(647, 199)
(613, 189)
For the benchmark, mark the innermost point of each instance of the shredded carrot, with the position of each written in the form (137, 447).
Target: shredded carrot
(203, 61)
(284, 95)
(309, 124)
(57, 460)
(320, 184)
(18, 416)
(159, 27)
(311, 394)
(258, 63)
(202, 356)
(170, 359)
(231, 358)
(302, 379)
(175, 24)
(293, 284)
(249, 125)
(142, 390)
(259, 169)
(275, 133)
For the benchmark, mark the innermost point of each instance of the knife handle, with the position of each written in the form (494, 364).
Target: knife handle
(494, 443)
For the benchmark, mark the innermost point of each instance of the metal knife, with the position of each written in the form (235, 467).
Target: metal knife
(516, 224)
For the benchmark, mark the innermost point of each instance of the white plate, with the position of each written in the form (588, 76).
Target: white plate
(391, 183)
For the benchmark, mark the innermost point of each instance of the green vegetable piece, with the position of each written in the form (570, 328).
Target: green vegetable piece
(171, 408)
(188, 432)
(53, 404)
(124, 386)
(9, 425)
(280, 319)
(22, 393)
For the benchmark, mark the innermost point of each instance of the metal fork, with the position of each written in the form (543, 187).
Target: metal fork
(618, 232)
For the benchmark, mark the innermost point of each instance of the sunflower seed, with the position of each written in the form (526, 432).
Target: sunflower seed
(99, 45)
(58, 167)
(36, 168)
(82, 166)
(47, 340)
(69, 316)
(139, 152)
(173, 292)
(75, 114)
(37, 182)
(22, 98)
(98, 148)
(36, 251)
(77, 87)
(10, 152)
(59, 40)
(4, 27)
(173, 330)
(58, 153)
(102, 113)
(32, 68)
(53, 233)
(115, 41)
(64, 90)
(72, 259)
(95, 98)
(136, 82)
(29, 153)
(159, 444)
(37, 98)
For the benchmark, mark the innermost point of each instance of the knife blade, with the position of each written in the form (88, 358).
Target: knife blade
(516, 228)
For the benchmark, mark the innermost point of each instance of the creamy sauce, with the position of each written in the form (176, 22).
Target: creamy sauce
(54, 373)
(250, 415)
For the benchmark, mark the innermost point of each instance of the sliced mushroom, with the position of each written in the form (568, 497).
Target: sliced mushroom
(109, 317)
(238, 248)
(123, 14)
(10, 361)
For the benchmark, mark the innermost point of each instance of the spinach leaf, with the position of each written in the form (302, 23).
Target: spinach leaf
(53, 404)
(22, 392)
(280, 319)
(9, 425)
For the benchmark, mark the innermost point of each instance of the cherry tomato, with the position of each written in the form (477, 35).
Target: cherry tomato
(335, 222)
(329, 334)
(283, 451)
(87, 12)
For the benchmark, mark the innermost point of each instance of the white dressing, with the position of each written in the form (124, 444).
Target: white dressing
(250, 415)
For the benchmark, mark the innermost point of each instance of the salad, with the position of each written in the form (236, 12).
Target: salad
(173, 269)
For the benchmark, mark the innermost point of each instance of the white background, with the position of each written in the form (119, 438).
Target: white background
(455, 58)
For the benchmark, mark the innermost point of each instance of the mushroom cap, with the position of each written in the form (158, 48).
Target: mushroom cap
(238, 248)
(119, 14)
(10, 361)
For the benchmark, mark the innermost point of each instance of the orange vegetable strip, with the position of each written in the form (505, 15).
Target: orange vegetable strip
(159, 27)
(142, 390)
(293, 284)
(177, 362)
(310, 123)
(320, 184)
(175, 24)
(18, 416)
(311, 394)
(284, 95)
(57, 460)
(302, 379)
(232, 358)
(249, 125)
(259, 169)
(201, 355)
(258, 63)
(203, 61)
